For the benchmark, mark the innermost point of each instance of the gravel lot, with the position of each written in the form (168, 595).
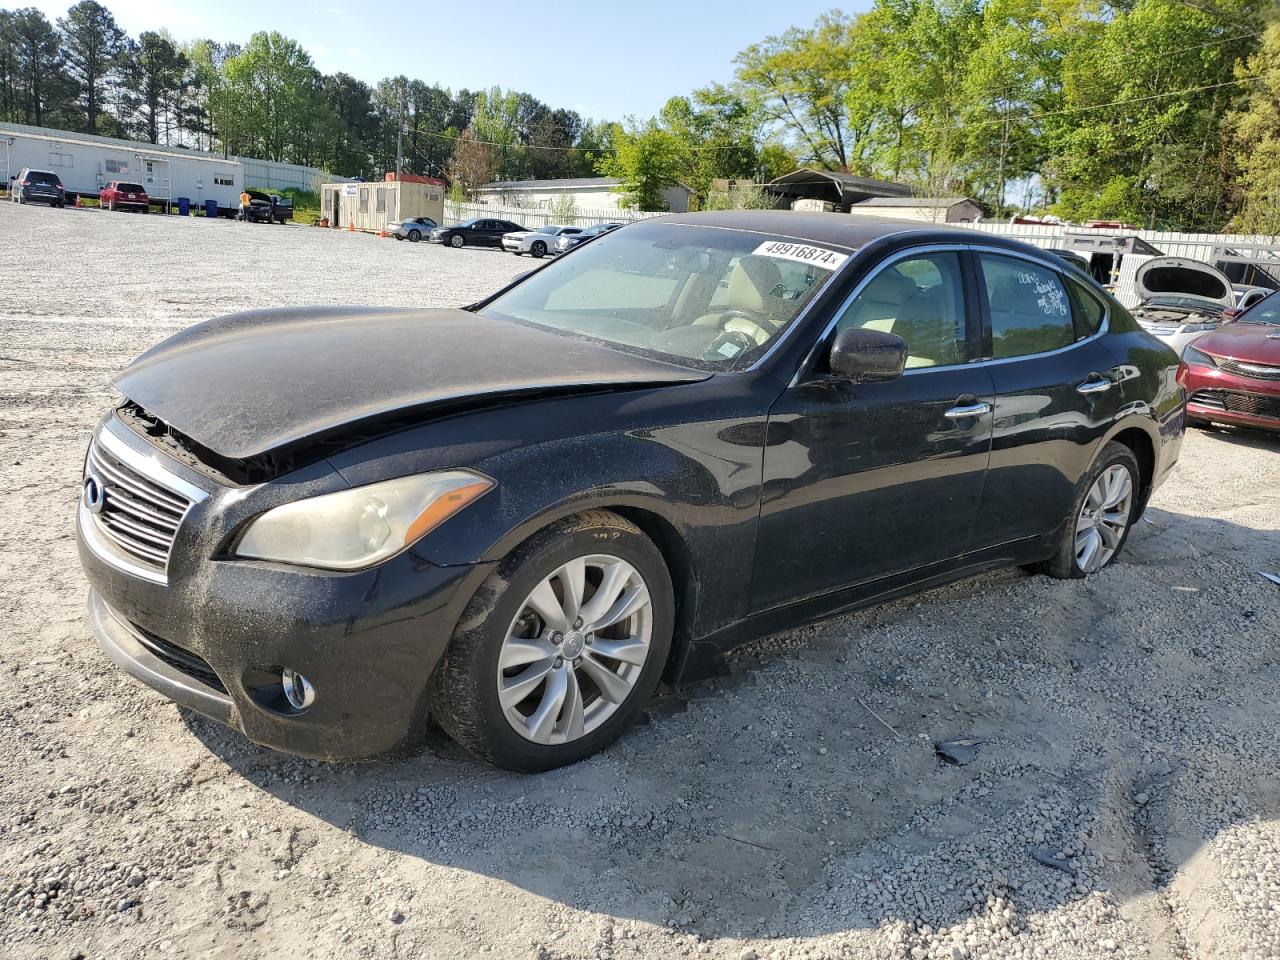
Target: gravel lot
(1124, 801)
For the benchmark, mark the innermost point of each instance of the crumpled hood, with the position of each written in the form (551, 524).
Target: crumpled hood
(251, 382)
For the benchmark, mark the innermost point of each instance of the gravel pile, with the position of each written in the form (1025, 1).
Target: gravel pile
(1120, 797)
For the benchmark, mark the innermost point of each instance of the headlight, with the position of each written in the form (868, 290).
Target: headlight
(1190, 355)
(360, 527)
(1197, 327)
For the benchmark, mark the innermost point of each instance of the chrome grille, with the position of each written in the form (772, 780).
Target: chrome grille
(138, 515)
(1243, 368)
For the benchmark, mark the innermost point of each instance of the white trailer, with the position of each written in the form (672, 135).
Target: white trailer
(86, 163)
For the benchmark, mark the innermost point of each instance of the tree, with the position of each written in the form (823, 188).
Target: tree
(42, 89)
(1255, 139)
(277, 101)
(801, 81)
(717, 130)
(646, 161)
(473, 163)
(93, 44)
(156, 76)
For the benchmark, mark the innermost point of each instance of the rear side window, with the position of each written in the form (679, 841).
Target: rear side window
(1089, 310)
(1030, 309)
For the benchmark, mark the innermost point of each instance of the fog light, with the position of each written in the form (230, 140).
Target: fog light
(297, 689)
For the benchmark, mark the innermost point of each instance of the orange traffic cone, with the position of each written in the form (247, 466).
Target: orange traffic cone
(383, 233)
(78, 201)
(351, 226)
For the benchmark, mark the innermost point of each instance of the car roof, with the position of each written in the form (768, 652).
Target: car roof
(851, 231)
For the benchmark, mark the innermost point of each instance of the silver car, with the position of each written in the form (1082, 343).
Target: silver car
(537, 243)
(412, 229)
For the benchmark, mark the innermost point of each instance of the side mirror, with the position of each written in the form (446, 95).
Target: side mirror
(861, 355)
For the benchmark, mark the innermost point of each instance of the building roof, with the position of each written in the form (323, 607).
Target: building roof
(28, 132)
(926, 202)
(844, 182)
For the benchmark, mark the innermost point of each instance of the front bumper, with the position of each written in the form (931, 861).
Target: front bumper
(216, 634)
(512, 246)
(1222, 397)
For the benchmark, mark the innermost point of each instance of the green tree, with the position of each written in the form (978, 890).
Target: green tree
(277, 104)
(93, 44)
(1255, 139)
(156, 75)
(646, 161)
(801, 81)
(42, 90)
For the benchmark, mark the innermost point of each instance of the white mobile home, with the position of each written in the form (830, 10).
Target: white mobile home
(86, 163)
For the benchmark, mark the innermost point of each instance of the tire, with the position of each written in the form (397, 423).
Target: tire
(414, 236)
(111, 205)
(1065, 562)
(1199, 424)
(457, 242)
(538, 249)
(465, 687)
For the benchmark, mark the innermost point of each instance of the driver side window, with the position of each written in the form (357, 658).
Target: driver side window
(920, 299)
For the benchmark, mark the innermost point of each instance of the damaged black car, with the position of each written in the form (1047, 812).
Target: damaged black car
(321, 526)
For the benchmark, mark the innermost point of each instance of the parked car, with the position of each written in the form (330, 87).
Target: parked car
(120, 194)
(1073, 258)
(568, 241)
(1245, 297)
(1181, 300)
(412, 229)
(1232, 375)
(37, 185)
(478, 232)
(268, 208)
(520, 514)
(537, 243)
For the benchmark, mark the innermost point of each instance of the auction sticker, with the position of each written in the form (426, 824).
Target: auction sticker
(801, 253)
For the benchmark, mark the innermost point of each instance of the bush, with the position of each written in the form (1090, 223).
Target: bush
(564, 210)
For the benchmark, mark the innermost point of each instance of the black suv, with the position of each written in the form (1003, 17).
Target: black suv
(39, 185)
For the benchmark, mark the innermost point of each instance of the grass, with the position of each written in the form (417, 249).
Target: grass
(306, 203)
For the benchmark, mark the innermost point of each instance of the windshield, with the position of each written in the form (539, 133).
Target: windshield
(1185, 303)
(701, 296)
(1264, 311)
(129, 187)
(37, 176)
(549, 230)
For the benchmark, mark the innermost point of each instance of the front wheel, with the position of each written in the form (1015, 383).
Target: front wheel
(539, 249)
(414, 236)
(1101, 519)
(561, 647)
(456, 241)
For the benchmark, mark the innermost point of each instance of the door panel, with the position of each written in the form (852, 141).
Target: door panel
(1045, 426)
(864, 480)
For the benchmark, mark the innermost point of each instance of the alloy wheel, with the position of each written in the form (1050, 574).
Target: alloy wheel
(575, 649)
(1103, 519)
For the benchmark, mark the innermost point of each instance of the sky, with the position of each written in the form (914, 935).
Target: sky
(604, 58)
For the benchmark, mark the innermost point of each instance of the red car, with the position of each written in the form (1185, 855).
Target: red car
(119, 193)
(1233, 374)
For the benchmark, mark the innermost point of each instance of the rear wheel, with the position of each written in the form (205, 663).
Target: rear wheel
(111, 205)
(1102, 518)
(563, 646)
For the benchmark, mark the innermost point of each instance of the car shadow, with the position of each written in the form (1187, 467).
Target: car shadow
(1124, 724)
(1243, 436)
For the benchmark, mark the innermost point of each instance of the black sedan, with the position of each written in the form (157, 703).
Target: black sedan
(520, 516)
(478, 232)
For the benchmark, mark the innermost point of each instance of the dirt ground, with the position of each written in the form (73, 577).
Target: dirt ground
(1125, 798)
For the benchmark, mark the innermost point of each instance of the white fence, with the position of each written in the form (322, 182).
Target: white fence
(1195, 246)
(534, 218)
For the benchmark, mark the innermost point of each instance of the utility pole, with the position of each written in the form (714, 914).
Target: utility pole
(399, 147)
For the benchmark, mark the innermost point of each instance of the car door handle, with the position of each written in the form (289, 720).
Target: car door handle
(963, 410)
(1095, 384)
